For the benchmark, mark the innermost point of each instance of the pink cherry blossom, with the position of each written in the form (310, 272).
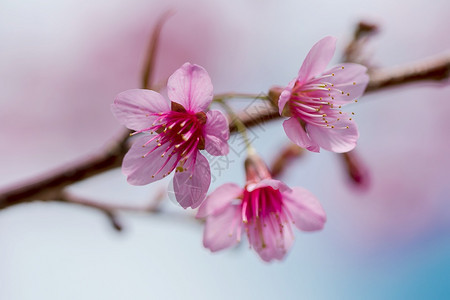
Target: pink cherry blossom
(171, 136)
(314, 98)
(264, 209)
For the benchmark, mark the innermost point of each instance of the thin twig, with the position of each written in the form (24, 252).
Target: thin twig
(149, 66)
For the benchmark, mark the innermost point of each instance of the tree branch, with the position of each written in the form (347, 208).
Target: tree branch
(51, 186)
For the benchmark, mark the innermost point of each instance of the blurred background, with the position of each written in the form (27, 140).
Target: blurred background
(62, 63)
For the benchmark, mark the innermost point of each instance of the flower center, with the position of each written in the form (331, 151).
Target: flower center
(264, 216)
(180, 134)
(261, 203)
(315, 102)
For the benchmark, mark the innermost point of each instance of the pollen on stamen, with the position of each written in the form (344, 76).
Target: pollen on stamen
(347, 127)
(353, 113)
(348, 94)
(332, 74)
(349, 119)
(356, 100)
(153, 176)
(332, 98)
(159, 144)
(342, 92)
(342, 67)
(340, 106)
(332, 126)
(324, 115)
(354, 83)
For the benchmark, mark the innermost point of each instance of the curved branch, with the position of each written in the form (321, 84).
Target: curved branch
(49, 187)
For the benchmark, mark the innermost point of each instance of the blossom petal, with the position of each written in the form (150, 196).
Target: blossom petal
(297, 135)
(219, 199)
(338, 139)
(273, 183)
(223, 230)
(306, 211)
(285, 96)
(350, 79)
(317, 59)
(217, 133)
(191, 87)
(139, 170)
(133, 108)
(191, 186)
(269, 240)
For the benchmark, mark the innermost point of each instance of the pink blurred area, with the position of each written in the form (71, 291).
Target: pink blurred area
(62, 65)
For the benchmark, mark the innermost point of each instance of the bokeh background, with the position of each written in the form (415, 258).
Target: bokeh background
(62, 63)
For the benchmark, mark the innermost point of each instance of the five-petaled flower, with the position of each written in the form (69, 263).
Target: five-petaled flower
(314, 98)
(173, 134)
(264, 208)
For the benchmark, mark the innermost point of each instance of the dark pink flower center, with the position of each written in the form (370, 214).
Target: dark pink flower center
(261, 203)
(180, 133)
(265, 217)
(314, 102)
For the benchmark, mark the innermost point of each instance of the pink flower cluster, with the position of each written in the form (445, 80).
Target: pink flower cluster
(172, 135)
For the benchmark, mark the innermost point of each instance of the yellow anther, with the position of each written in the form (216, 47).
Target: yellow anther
(342, 67)
(332, 74)
(348, 94)
(347, 127)
(356, 100)
(354, 83)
